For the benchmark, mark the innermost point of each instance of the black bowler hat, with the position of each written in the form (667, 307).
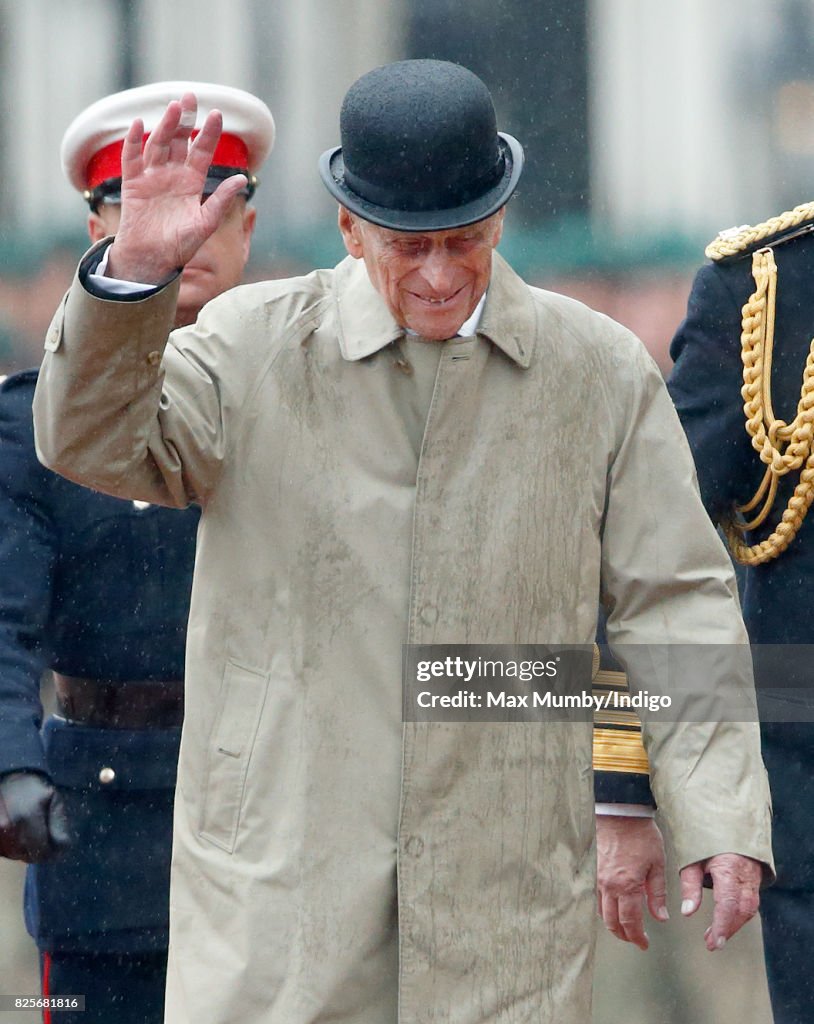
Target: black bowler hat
(420, 149)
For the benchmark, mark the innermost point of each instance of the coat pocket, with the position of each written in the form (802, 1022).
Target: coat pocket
(241, 703)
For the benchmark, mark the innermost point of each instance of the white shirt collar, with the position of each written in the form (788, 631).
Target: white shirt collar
(470, 326)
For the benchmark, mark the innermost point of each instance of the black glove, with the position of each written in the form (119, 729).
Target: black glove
(33, 822)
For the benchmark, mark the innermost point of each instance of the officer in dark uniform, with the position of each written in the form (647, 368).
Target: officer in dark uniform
(97, 590)
(743, 384)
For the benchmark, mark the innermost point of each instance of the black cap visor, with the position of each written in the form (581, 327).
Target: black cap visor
(110, 190)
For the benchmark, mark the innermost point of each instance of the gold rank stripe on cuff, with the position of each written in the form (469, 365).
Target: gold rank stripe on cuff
(610, 679)
(617, 739)
(619, 749)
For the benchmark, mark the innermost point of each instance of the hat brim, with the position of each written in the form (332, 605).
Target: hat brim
(332, 172)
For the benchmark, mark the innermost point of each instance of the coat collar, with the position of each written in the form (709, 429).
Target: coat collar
(365, 323)
(509, 317)
(367, 326)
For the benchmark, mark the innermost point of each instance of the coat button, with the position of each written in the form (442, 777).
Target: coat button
(154, 358)
(429, 614)
(106, 776)
(414, 846)
(52, 339)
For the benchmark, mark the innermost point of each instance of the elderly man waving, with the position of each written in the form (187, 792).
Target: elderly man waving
(389, 452)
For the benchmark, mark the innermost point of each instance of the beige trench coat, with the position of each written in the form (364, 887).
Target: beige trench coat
(329, 863)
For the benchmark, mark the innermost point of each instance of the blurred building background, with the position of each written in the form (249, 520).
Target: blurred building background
(647, 128)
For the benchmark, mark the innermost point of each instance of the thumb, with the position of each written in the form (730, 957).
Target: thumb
(692, 887)
(58, 830)
(216, 208)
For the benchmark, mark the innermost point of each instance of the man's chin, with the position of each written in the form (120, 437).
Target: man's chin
(438, 324)
(195, 291)
(190, 303)
(437, 327)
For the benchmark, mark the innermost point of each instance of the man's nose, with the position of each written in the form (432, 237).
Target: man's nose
(437, 270)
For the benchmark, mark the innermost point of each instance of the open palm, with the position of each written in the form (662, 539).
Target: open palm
(163, 222)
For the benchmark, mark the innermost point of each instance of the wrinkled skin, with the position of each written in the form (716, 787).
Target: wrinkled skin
(630, 873)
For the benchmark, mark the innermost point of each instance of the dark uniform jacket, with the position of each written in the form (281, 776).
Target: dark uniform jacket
(95, 587)
(776, 596)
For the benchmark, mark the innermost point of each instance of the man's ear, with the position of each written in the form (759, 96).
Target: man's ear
(103, 222)
(498, 232)
(351, 235)
(96, 229)
(249, 221)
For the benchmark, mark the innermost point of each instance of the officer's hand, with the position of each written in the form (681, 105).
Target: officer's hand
(735, 889)
(630, 870)
(33, 823)
(163, 222)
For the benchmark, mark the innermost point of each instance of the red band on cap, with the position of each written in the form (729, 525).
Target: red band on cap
(230, 151)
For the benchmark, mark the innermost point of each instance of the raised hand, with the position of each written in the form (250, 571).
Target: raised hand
(163, 222)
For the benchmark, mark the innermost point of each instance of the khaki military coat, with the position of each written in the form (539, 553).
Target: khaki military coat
(331, 863)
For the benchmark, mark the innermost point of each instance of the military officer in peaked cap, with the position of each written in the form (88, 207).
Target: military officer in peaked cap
(390, 451)
(744, 389)
(97, 589)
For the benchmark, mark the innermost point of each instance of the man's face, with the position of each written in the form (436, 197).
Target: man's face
(217, 265)
(431, 281)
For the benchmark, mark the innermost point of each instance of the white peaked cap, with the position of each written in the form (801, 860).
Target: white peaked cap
(96, 133)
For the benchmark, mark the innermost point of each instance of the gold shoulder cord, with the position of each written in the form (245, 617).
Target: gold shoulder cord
(783, 447)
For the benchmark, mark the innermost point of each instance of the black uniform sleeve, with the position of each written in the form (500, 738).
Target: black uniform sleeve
(708, 372)
(621, 768)
(27, 558)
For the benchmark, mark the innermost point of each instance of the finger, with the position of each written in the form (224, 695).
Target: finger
(217, 206)
(733, 908)
(626, 931)
(725, 918)
(179, 144)
(33, 835)
(656, 891)
(692, 888)
(610, 916)
(631, 920)
(157, 147)
(203, 145)
(735, 889)
(132, 162)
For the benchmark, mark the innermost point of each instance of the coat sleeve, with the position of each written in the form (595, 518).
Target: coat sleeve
(27, 559)
(674, 622)
(118, 409)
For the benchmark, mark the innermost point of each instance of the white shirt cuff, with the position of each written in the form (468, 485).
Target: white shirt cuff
(627, 810)
(113, 285)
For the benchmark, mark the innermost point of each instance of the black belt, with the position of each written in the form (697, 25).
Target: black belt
(104, 704)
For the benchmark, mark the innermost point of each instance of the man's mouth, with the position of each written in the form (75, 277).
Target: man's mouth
(192, 267)
(436, 302)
